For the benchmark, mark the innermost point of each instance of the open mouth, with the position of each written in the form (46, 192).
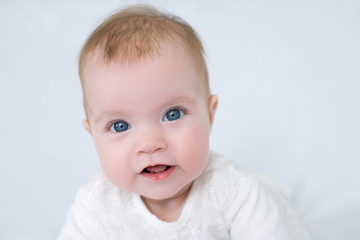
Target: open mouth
(157, 172)
(156, 169)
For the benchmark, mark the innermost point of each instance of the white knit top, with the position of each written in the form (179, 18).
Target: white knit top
(225, 202)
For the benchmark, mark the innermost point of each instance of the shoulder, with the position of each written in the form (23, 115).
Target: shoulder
(98, 207)
(232, 189)
(86, 219)
(226, 176)
(99, 195)
(227, 184)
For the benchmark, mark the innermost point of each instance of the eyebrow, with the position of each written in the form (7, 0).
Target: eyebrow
(171, 101)
(107, 114)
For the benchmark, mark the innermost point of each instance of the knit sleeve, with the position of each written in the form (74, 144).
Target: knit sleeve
(262, 214)
(252, 210)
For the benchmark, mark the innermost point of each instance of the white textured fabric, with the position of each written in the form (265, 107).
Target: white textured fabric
(225, 202)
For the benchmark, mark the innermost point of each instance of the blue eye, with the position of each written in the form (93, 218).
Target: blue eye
(119, 126)
(173, 114)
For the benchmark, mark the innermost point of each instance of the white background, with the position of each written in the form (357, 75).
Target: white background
(287, 74)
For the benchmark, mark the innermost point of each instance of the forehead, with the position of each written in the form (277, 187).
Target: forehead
(169, 75)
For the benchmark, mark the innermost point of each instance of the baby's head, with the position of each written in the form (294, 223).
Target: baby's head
(140, 33)
(147, 101)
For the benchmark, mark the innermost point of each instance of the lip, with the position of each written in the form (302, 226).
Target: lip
(159, 176)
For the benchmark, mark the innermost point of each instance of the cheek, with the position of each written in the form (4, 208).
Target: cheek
(112, 162)
(195, 149)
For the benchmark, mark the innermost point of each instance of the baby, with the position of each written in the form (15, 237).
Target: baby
(149, 111)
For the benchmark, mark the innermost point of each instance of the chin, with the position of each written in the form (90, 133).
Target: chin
(159, 196)
(162, 194)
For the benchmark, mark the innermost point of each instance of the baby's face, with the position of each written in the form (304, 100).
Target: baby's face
(150, 122)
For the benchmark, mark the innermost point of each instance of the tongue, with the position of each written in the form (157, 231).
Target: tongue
(157, 168)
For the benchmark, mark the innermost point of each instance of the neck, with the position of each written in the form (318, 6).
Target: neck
(168, 210)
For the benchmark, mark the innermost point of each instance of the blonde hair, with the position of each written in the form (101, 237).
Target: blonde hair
(140, 32)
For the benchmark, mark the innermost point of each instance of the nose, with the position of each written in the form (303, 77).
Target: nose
(150, 141)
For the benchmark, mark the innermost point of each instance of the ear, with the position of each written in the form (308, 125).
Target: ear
(212, 106)
(86, 125)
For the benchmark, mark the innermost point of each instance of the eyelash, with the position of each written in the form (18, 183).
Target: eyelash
(108, 126)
